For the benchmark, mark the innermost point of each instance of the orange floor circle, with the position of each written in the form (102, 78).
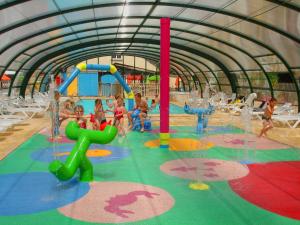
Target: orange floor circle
(90, 153)
(182, 144)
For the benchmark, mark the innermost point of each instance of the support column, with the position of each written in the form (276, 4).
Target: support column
(164, 81)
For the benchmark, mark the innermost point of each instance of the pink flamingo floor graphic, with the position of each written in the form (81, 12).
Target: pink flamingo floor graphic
(204, 169)
(114, 203)
(119, 202)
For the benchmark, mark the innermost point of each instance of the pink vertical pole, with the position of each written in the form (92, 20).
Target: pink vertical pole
(164, 81)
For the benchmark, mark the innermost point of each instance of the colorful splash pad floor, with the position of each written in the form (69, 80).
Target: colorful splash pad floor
(251, 181)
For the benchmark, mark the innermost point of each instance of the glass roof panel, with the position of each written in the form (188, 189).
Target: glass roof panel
(21, 12)
(126, 21)
(136, 10)
(127, 29)
(282, 18)
(114, 11)
(106, 23)
(194, 13)
(124, 35)
(288, 48)
(250, 8)
(80, 15)
(83, 26)
(218, 3)
(73, 4)
(86, 33)
(149, 30)
(167, 11)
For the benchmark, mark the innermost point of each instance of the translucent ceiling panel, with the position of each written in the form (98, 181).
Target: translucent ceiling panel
(250, 8)
(127, 21)
(136, 10)
(168, 11)
(217, 4)
(73, 4)
(221, 20)
(250, 46)
(212, 65)
(80, 15)
(127, 29)
(114, 11)
(286, 47)
(194, 14)
(244, 59)
(30, 29)
(83, 26)
(22, 12)
(10, 53)
(283, 18)
(86, 34)
(149, 30)
(221, 57)
(153, 22)
(108, 23)
(96, 2)
(120, 35)
(58, 32)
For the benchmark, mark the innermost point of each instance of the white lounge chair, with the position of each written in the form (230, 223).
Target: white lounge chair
(291, 120)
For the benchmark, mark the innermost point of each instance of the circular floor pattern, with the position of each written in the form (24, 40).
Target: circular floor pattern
(27, 193)
(272, 186)
(119, 202)
(182, 144)
(239, 141)
(204, 169)
(96, 153)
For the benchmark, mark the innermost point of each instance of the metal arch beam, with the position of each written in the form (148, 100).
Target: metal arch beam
(197, 7)
(125, 40)
(68, 42)
(17, 55)
(221, 52)
(286, 4)
(270, 85)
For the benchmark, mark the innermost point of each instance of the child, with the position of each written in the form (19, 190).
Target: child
(66, 112)
(99, 114)
(119, 115)
(114, 104)
(79, 117)
(267, 117)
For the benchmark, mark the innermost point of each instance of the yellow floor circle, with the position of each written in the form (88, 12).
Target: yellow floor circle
(182, 144)
(90, 153)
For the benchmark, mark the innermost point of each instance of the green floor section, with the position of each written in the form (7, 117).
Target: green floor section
(219, 205)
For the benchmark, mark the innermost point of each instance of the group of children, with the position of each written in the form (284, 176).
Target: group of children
(98, 119)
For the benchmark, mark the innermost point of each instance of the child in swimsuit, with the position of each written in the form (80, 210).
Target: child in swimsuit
(99, 114)
(79, 118)
(119, 116)
(267, 117)
(66, 112)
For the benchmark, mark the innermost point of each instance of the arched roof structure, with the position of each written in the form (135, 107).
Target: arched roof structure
(233, 42)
